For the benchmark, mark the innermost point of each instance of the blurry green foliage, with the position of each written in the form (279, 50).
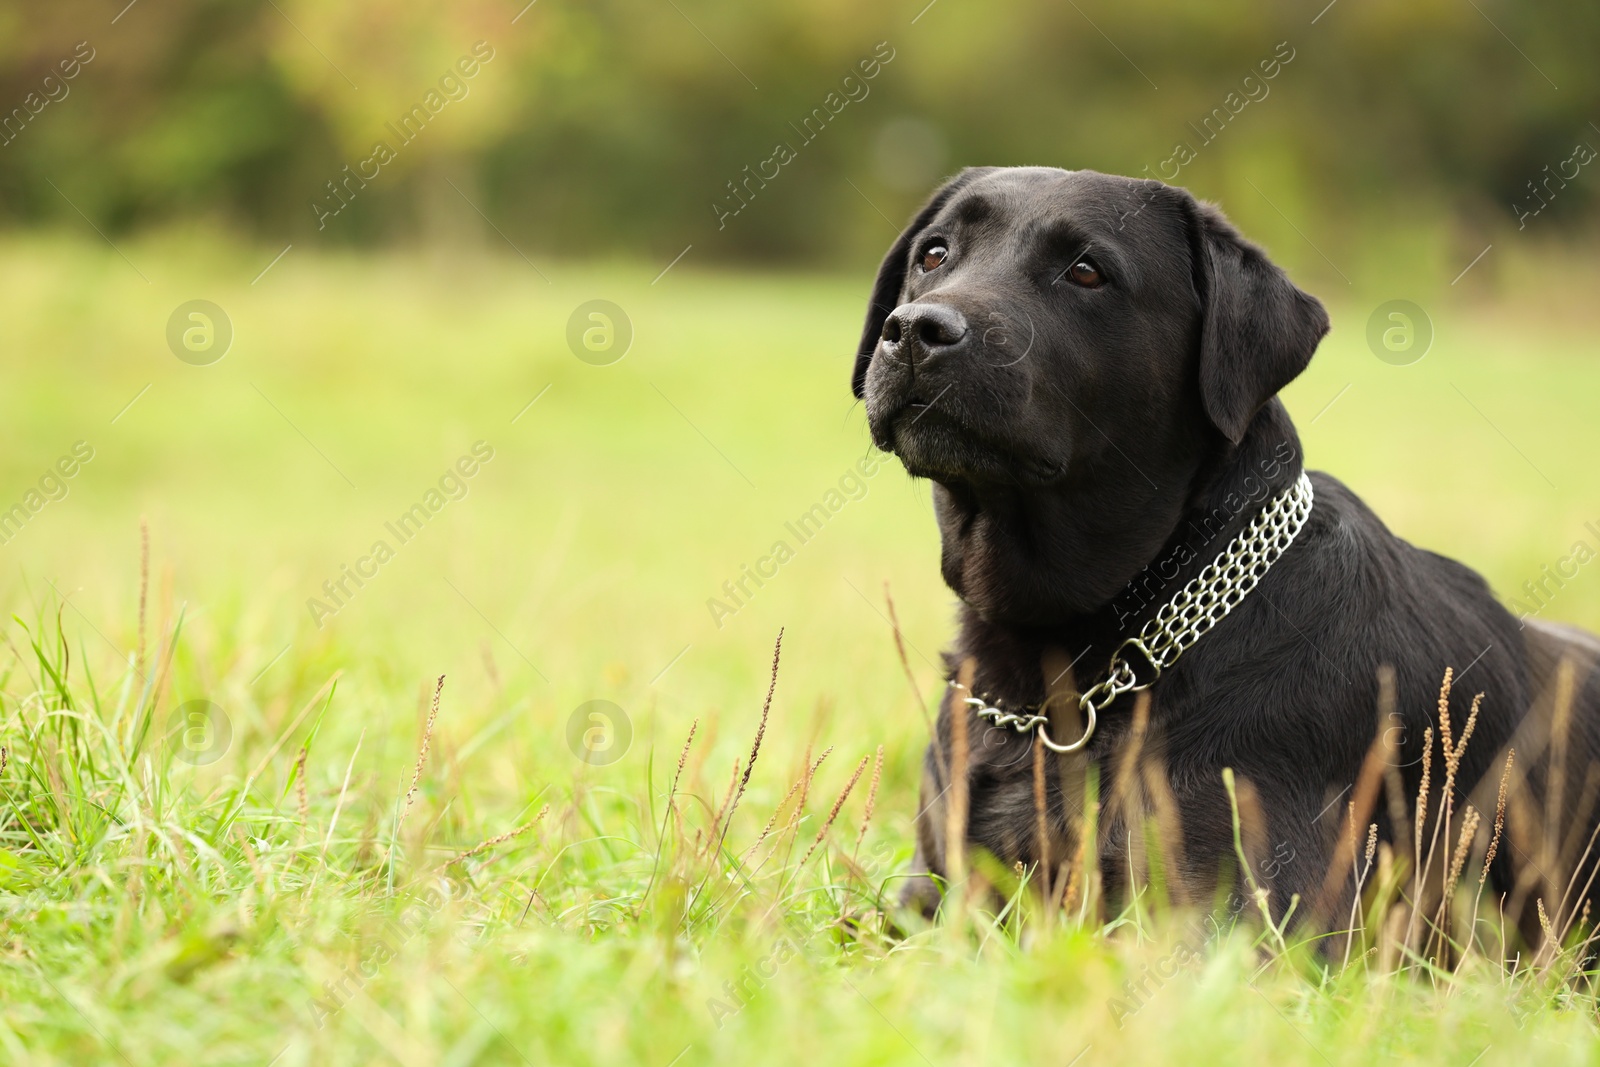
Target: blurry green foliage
(602, 127)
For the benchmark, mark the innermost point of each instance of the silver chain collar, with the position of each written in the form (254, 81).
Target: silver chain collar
(1205, 601)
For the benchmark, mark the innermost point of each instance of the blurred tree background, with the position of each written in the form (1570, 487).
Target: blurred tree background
(602, 128)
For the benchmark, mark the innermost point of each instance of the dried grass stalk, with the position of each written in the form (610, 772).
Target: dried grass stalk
(872, 798)
(761, 727)
(672, 793)
(1041, 823)
(1577, 869)
(1394, 787)
(501, 839)
(716, 819)
(422, 754)
(807, 775)
(1469, 833)
(911, 680)
(144, 589)
(955, 812)
(1417, 871)
(672, 813)
(1363, 799)
(1169, 829)
(1355, 898)
(1444, 711)
(1499, 818)
(302, 797)
(834, 813)
(1551, 945)
(1560, 731)
(772, 820)
(1123, 795)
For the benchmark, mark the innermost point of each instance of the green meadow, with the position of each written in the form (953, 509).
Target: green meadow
(325, 871)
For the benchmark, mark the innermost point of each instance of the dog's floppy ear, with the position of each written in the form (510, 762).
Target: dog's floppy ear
(1259, 329)
(892, 276)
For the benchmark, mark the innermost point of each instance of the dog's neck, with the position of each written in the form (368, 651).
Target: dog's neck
(1082, 565)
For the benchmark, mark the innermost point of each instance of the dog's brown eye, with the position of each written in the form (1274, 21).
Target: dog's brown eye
(933, 255)
(1086, 274)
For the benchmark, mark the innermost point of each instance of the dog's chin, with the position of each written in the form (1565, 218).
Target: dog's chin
(932, 444)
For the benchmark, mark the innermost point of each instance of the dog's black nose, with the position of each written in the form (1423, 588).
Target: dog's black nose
(922, 330)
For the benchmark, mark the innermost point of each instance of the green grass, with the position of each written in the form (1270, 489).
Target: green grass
(153, 911)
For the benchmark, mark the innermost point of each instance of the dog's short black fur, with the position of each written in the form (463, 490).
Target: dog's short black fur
(1085, 366)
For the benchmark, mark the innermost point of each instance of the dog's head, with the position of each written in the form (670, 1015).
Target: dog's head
(1035, 326)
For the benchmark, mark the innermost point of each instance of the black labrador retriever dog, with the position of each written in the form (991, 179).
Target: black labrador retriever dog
(1085, 367)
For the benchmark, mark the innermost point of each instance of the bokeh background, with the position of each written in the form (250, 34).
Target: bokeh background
(401, 213)
(602, 128)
